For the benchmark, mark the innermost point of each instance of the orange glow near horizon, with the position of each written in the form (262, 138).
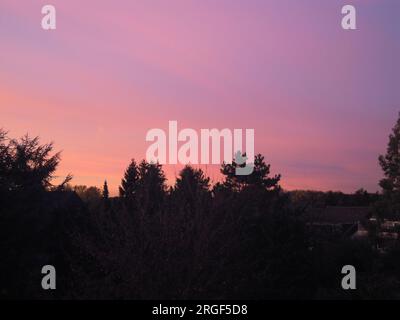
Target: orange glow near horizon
(322, 101)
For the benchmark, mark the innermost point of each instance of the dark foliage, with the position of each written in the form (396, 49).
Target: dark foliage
(243, 238)
(389, 207)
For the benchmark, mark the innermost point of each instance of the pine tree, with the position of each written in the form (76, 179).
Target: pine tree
(25, 164)
(192, 181)
(152, 188)
(105, 191)
(192, 188)
(129, 184)
(258, 178)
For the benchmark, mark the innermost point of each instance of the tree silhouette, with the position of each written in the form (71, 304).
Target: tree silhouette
(88, 194)
(192, 189)
(5, 162)
(390, 164)
(25, 164)
(245, 239)
(152, 188)
(191, 182)
(129, 184)
(258, 178)
(143, 186)
(106, 195)
(105, 191)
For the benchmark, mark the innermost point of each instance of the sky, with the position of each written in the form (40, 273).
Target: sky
(322, 100)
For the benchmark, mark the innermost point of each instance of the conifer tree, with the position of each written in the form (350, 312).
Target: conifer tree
(105, 191)
(129, 184)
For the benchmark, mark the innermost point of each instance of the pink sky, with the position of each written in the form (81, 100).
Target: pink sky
(322, 100)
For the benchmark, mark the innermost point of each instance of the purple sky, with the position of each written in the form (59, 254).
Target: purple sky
(322, 100)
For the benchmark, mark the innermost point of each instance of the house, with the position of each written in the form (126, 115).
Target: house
(387, 232)
(338, 222)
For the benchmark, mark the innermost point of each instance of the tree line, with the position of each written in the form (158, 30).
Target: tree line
(244, 237)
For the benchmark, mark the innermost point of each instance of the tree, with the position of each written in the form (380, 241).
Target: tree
(129, 184)
(88, 194)
(105, 195)
(258, 178)
(191, 188)
(5, 161)
(105, 191)
(151, 186)
(143, 186)
(192, 182)
(390, 164)
(361, 197)
(25, 164)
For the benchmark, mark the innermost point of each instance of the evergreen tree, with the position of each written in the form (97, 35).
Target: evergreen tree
(105, 191)
(151, 187)
(192, 188)
(258, 178)
(26, 165)
(192, 182)
(130, 182)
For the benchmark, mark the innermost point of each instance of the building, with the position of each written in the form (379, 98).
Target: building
(338, 222)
